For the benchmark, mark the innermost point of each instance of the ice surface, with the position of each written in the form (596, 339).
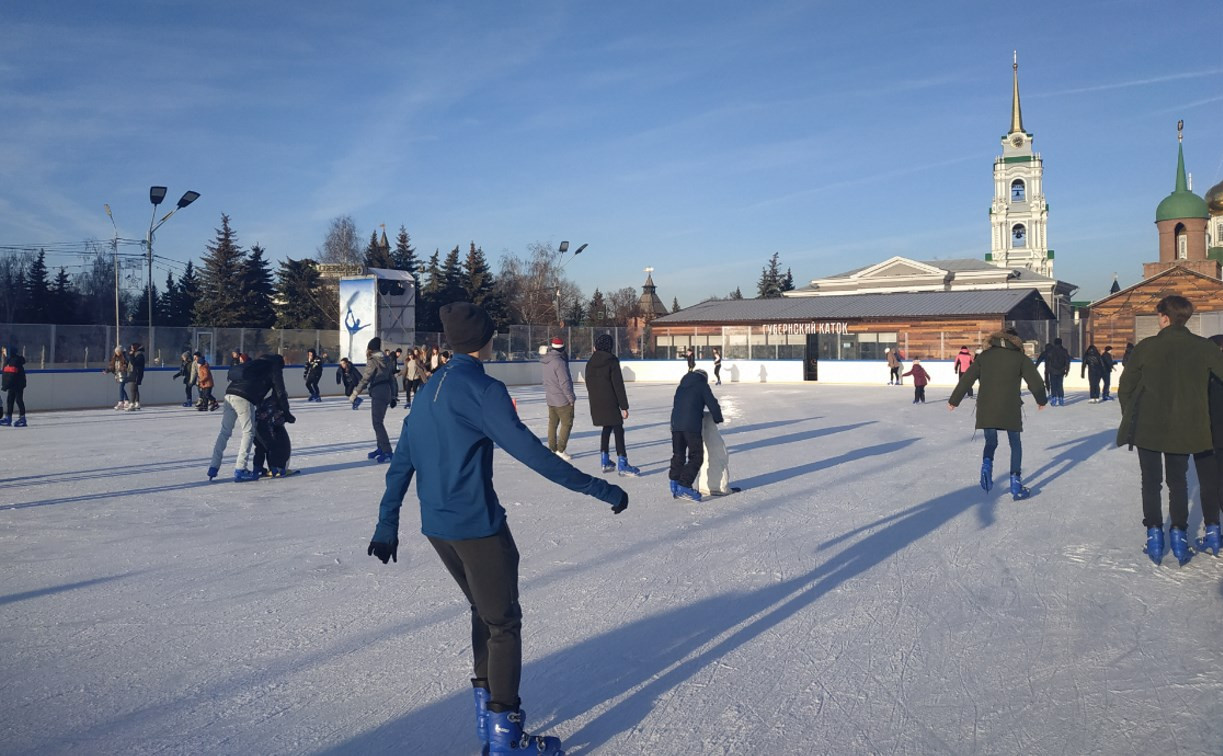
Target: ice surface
(860, 595)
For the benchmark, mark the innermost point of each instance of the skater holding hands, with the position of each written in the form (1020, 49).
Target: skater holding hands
(447, 444)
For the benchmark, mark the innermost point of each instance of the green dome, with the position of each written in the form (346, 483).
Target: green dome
(1181, 203)
(1184, 204)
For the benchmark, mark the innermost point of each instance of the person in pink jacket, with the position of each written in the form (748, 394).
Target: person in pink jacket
(920, 379)
(962, 361)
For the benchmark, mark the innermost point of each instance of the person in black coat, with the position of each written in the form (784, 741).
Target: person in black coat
(691, 357)
(136, 377)
(314, 371)
(1209, 467)
(14, 382)
(1093, 368)
(1106, 371)
(1057, 367)
(692, 398)
(249, 383)
(348, 375)
(608, 403)
(272, 443)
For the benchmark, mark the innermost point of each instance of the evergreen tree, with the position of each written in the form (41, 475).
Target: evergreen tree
(221, 294)
(452, 278)
(297, 285)
(674, 304)
(167, 313)
(378, 255)
(140, 308)
(769, 286)
(404, 256)
(596, 311)
(787, 283)
(429, 298)
(259, 289)
(38, 291)
(63, 299)
(480, 286)
(736, 294)
(187, 293)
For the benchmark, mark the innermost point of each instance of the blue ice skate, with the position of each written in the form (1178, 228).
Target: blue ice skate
(479, 691)
(607, 463)
(623, 468)
(674, 489)
(1212, 541)
(1180, 545)
(242, 476)
(1017, 490)
(188, 404)
(6, 421)
(684, 492)
(374, 454)
(20, 422)
(357, 402)
(383, 457)
(212, 473)
(505, 735)
(987, 473)
(1155, 544)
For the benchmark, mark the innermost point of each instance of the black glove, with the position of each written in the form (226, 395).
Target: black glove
(289, 418)
(622, 504)
(394, 402)
(384, 551)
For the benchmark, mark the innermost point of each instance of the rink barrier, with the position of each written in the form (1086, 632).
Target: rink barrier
(64, 389)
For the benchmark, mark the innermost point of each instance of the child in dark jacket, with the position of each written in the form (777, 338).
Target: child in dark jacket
(687, 447)
(920, 379)
(14, 383)
(272, 443)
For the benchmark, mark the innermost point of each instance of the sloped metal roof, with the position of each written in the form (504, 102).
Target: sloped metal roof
(855, 306)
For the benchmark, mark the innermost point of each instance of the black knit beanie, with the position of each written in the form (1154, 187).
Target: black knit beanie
(374, 345)
(604, 342)
(468, 327)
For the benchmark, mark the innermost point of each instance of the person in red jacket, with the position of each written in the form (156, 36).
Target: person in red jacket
(920, 379)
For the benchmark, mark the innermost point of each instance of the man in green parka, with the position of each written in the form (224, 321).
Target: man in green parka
(1165, 412)
(999, 406)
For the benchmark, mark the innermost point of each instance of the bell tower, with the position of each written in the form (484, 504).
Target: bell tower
(1019, 214)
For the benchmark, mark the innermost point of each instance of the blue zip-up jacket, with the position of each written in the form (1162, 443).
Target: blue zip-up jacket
(447, 443)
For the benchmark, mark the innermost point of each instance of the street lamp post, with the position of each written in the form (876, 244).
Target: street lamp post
(562, 249)
(114, 248)
(156, 195)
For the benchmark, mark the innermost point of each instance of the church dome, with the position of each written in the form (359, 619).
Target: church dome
(1181, 204)
(1214, 199)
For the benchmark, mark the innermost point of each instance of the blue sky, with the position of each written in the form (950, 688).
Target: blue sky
(696, 138)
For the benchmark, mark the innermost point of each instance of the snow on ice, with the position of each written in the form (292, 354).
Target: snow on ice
(862, 594)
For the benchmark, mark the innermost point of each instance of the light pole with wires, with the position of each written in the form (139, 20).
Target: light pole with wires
(114, 248)
(156, 195)
(561, 250)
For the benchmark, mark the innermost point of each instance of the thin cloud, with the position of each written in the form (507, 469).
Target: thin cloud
(1132, 83)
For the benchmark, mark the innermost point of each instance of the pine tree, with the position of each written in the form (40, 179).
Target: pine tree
(477, 276)
(404, 256)
(140, 309)
(736, 294)
(259, 289)
(221, 294)
(377, 255)
(38, 291)
(63, 299)
(297, 284)
(452, 278)
(167, 312)
(429, 298)
(596, 311)
(787, 283)
(769, 286)
(186, 294)
(674, 304)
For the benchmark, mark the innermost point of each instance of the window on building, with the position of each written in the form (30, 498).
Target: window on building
(1182, 242)
(1019, 236)
(1017, 190)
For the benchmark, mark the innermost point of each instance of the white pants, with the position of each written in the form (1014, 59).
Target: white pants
(242, 413)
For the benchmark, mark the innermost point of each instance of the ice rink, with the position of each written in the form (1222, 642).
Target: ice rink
(860, 595)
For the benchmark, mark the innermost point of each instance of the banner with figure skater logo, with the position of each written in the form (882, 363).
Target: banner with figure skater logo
(358, 316)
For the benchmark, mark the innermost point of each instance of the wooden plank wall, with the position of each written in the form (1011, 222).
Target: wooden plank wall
(1112, 321)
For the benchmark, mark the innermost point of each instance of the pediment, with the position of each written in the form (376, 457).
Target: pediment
(898, 267)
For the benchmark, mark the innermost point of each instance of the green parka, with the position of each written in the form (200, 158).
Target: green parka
(1000, 369)
(1164, 392)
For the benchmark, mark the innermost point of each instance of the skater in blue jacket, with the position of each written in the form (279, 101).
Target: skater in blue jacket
(447, 445)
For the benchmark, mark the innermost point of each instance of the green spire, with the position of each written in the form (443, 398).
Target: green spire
(1181, 203)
